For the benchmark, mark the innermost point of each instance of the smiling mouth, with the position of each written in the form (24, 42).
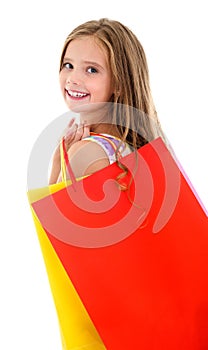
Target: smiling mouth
(76, 94)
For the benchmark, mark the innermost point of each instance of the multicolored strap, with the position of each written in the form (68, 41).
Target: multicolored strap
(113, 147)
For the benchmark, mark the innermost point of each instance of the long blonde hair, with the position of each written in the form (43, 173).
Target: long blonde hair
(134, 111)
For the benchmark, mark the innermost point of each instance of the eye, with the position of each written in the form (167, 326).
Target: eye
(92, 70)
(67, 65)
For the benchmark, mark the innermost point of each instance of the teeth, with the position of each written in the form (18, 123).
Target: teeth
(76, 94)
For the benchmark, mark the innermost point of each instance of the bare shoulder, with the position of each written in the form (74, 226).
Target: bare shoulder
(87, 157)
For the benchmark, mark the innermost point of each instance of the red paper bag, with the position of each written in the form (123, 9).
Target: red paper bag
(138, 262)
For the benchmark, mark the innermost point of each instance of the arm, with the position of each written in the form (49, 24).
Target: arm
(86, 158)
(56, 166)
(73, 134)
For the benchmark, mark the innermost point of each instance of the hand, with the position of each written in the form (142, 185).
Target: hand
(75, 132)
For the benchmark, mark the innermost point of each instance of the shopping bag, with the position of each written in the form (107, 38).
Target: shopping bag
(76, 329)
(128, 269)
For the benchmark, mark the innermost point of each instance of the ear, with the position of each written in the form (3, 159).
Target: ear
(117, 93)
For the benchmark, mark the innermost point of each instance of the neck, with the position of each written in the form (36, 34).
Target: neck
(104, 129)
(99, 128)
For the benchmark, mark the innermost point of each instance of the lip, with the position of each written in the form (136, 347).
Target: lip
(76, 95)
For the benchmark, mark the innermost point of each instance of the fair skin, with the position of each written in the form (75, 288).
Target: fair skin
(85, 80)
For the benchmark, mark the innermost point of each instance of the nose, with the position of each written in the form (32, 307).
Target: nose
(74, 77)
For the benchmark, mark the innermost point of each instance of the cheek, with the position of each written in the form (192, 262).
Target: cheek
(61, 79)
(109, 87)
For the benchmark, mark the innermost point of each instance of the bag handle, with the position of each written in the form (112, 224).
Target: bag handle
(65, 164)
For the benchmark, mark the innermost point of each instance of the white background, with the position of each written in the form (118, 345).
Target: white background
(174, 36)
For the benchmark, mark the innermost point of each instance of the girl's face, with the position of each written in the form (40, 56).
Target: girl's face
(85, 76)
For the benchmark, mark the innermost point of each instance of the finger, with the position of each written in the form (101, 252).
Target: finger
(71, 122)
(86, 131)
(71, 131)
(79, 133)
(70, 127)
(70, 136)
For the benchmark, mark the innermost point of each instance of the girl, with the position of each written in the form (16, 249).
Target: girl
(104, 77)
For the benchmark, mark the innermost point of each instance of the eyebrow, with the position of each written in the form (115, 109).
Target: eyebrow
(93, 63)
